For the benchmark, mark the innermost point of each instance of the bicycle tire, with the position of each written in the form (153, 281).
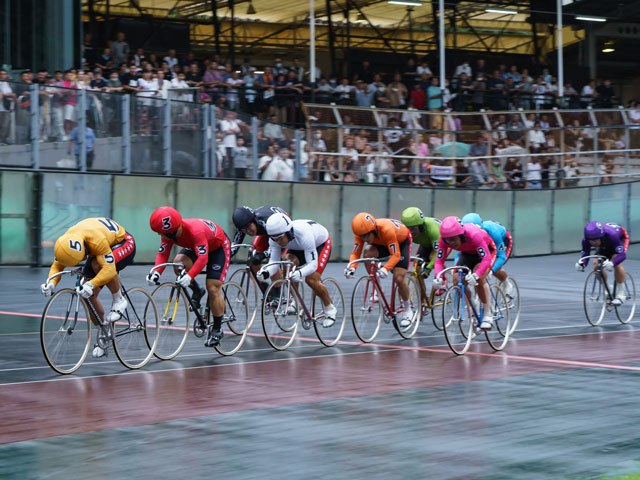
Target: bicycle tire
(136, 334)
(594, 299)
(416, 306)
(236, 320)
(498, 335)
(248, 283)
(173, 312)
(457, 320)
(329, 336)
(626, 311)
(514, 305)
(65, 341)
(366, 312)
(280, 315)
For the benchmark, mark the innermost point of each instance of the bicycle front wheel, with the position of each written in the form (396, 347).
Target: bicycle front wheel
(136, 334)
(65, 331)
(280, 314)
(457, 320)
(626, 311)
(366, 312)
(416, 307)
(236, 320)
(251, 288)
(595, 298)
(498, 334)
(330, 335)
(173, 309)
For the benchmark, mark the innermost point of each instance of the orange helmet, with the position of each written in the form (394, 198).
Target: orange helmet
(363, 223)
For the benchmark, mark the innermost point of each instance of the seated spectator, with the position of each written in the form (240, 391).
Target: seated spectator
(513, 74)
(273, 131)
(499, 128)
(361, 140)
(513, 173)
(462, 174)
(323, 91)
(439, 172)
(572, 172)
(331, 169)
(571, 97)
(318, 143)
(393, 134)
(343, 92)
(544, 122)
(105, 61)
(480, 147)
(536, 138)
(514, 134)
(411, 119)
(606, 169)
(480, 176)
(348, 151)
(379, 168)
(419, 170)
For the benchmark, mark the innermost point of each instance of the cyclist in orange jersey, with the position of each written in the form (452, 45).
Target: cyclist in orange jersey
(385, 237)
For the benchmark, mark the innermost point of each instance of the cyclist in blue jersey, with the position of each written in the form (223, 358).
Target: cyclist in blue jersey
(504, 244)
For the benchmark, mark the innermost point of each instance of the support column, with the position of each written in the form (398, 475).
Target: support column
(442, 43)
(34, 127)
(82, 130)
(166, 136)
(254, 146)
(126, 133)
(560, 49)
(205, 110)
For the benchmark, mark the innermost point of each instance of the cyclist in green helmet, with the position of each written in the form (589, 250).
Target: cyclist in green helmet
(426, 233)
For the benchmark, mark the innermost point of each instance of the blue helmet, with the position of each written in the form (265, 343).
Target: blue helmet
(472, 218)
(593, 230)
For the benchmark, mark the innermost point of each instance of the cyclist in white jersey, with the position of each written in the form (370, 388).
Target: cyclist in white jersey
(308, 245)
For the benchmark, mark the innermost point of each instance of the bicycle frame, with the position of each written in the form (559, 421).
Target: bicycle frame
(309, 316)
(423, 290)
(461, 271)
(375, 265)
(600, 274)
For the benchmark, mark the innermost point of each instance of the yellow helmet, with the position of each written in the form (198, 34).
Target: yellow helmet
(69, 249)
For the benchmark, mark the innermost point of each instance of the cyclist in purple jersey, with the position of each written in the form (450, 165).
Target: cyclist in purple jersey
(611, 241)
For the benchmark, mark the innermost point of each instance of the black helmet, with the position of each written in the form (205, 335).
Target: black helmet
(243, 216)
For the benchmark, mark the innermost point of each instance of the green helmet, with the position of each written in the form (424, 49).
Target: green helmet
(412, 217)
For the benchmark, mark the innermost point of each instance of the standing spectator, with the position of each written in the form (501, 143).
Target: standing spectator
(68, 103)
(434, 95)
(606, 94)
(230, 128)
(514, 134)
(463, 176)
(266, 159)
(572, 172)
(465, 90)
(364, 72)
(540, 93)
(280, 168)
(480, 176)
(105, 61)
(240, 159)
(273, 131)
(89, 142)
(7, 100)
(513, 173)
(343, 92)
(418, 97)
(181, 83)
(536, 138)
(588, 93)
(233, 82)
(397, 92)
(297, 68)
(463, 68)
(479, 89)
(423, 69)
(496, 87)
(129, 80)
(212, 78)
(480, 67)
(139, 57)
(513, 73)
(380, 89)
(318, 143)
(98, 82)
(534, 174)
(364, 95)
(267, 82)
(480, 147)
(89, 52)
(119, 50)
(171, 58)
(279, 68)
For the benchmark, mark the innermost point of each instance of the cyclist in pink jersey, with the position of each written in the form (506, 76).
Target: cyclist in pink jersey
(477, 251)
(205, 245)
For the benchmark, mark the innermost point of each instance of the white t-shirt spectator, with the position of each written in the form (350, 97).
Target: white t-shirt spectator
(273, 130)
(344, 91)
(420, 70)
(587, 93)
(534, 172)
(464, 68)
(537, 138)
(229, 129)
(5, 89)
(184, 97)
(393, 135)
(171, 61)
(279, 169)
(634, 117)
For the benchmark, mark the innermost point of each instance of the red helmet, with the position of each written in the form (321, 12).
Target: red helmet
(165, 220)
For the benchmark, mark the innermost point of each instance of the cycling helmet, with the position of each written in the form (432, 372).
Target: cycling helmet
(243, 216)
(279, 224)
(593, 230)
(69, 249)
(412, 217)
(165, 220)
(363, 224)
(472, 218)
(451, 227)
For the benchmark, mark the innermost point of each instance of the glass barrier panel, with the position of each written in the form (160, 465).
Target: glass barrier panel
(494, 205)
(15, 233)
(452, 202)
(401, 198)
(531, 220)
(356, 199)
(609, 204)
(104, 117)
(67, 199)
(195, 201)
(186, 139)
(320, 203)
(634, 211)
(133, 205)
(147, 137)
(570, 210)
(279, 161)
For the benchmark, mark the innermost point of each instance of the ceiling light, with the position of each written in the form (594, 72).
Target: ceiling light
(608, 50)
(588, 18)
(250, 9)
(412, 3)
(505, 11)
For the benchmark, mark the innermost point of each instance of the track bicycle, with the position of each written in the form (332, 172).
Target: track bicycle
(176, 304)
(285, 309)
(431, 303)
(461, 320)
(514, 300)
(67, 319)
(598, 296)
(369, 305)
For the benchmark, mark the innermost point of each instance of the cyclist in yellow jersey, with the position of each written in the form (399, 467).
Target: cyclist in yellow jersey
(108, 248)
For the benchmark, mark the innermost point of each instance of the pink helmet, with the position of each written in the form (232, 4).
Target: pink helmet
(451, 227)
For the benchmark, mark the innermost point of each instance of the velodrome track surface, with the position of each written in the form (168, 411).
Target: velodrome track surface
(560, 402)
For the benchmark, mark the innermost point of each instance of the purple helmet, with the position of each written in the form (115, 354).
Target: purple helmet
(593, 231)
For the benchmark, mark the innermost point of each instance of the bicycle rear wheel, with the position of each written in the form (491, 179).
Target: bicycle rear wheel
(65, 335)
(329, 336)
(366, 311)
(457, 320)
(236, 320)
(251, 288)
(498, 335)
(626, 311)
(514, 304)
(595, 298)
(416, 306)
(136, 334)
(280, 314)
(173, 309)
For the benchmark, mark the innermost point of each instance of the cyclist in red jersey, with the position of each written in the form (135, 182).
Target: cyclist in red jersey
(205, 245)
